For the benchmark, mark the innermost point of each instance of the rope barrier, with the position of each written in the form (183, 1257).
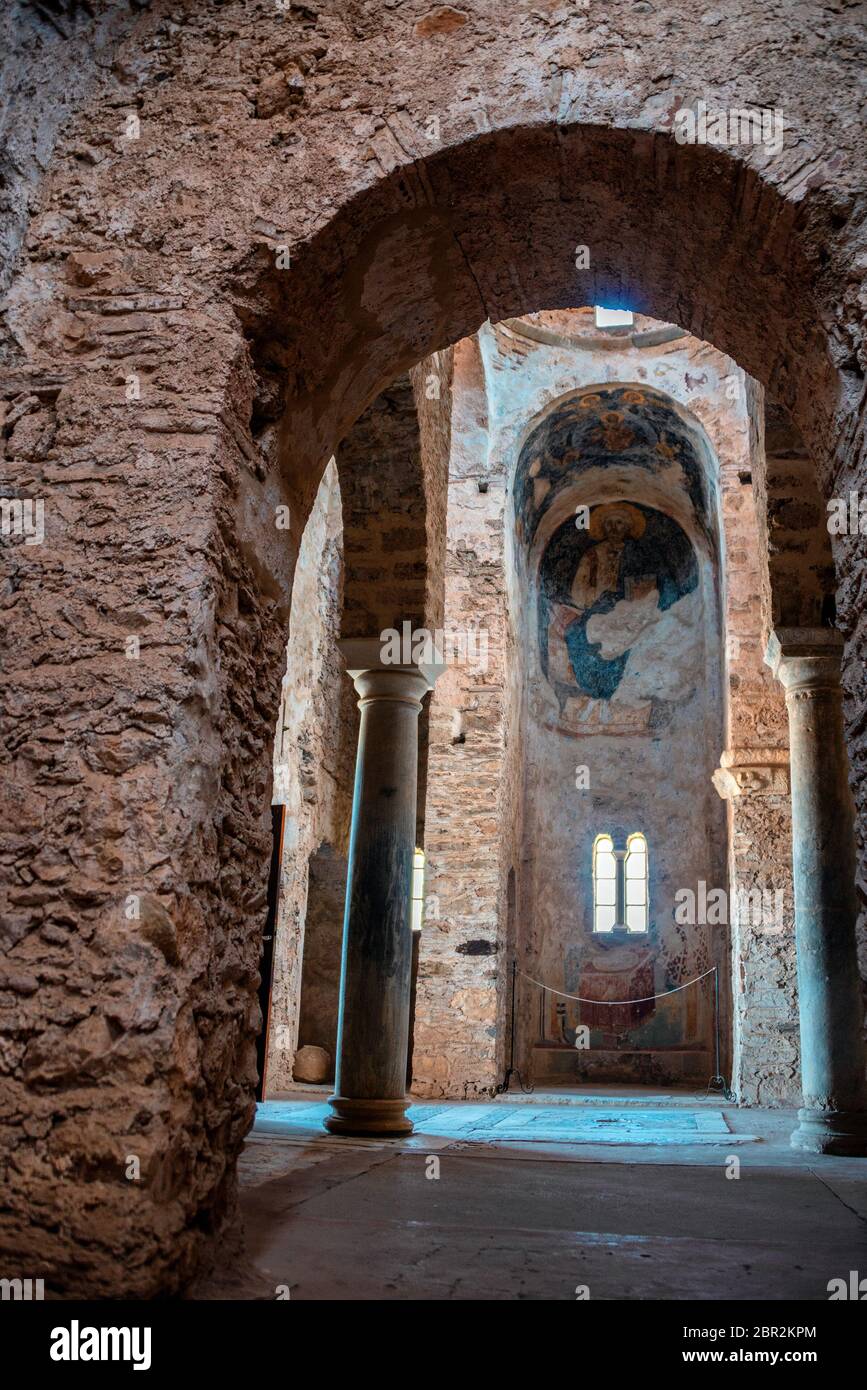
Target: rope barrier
(717, 1080)
(646, 1000)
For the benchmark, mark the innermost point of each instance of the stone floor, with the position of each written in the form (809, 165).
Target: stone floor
(621, 1192)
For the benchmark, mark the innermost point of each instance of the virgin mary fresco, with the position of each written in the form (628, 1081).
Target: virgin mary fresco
(619, 618)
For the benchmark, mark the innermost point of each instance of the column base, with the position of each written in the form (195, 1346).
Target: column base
(831, 1132)
(368, 1116)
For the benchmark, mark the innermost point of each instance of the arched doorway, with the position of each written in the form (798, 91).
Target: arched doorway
(388, 267)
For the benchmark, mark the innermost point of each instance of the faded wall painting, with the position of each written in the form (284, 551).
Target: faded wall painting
(619, 619)
(636, 428)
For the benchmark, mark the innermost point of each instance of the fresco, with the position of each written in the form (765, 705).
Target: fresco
(618, 424)
(619, 620)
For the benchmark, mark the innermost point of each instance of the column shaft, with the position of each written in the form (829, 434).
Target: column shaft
(370, 1080)
(834, 1116)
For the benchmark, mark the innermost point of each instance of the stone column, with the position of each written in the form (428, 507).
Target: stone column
(370, 1081)
(834, 1114)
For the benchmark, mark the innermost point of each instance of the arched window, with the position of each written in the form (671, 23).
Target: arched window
(620, 884)
(635, 875)
(604, 884)
(417, 905)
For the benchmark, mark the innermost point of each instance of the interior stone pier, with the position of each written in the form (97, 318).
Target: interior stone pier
(373, 1028)
(754, 782)
(834, 1115)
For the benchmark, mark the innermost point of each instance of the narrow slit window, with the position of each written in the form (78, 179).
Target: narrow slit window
(620, 884)
(417, 905)
(613, 318)
(635, 876)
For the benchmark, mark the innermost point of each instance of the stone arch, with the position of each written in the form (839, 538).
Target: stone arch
(431, 218)
(250, 377)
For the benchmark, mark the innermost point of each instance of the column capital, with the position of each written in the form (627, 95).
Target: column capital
(805, 658)
(375, 677)
(752, 772)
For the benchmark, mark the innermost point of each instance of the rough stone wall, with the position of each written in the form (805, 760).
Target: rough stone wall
(314, 753)
(764, 986)
(143, 688)
(793, 523)
(801, 584)
(393, 471)
(462, 972)
(54, 58)
(309, 129)
(851, 620)
(394, 477)
(432, 389)
(384, 535)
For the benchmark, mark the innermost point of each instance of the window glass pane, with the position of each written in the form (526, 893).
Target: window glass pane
(635, 890)
(417, 890)
(606, 865)
(606, 891)
(636, 918)
(636, 864)
(418, 873)
(613, 318)
(604, 918)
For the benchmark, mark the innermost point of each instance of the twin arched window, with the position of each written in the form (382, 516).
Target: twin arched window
(620, 897)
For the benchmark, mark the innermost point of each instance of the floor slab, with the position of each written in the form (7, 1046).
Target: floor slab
(588, 1123)
(458, 1214)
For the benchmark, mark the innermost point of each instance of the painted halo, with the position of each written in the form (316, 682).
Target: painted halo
(600, 514)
